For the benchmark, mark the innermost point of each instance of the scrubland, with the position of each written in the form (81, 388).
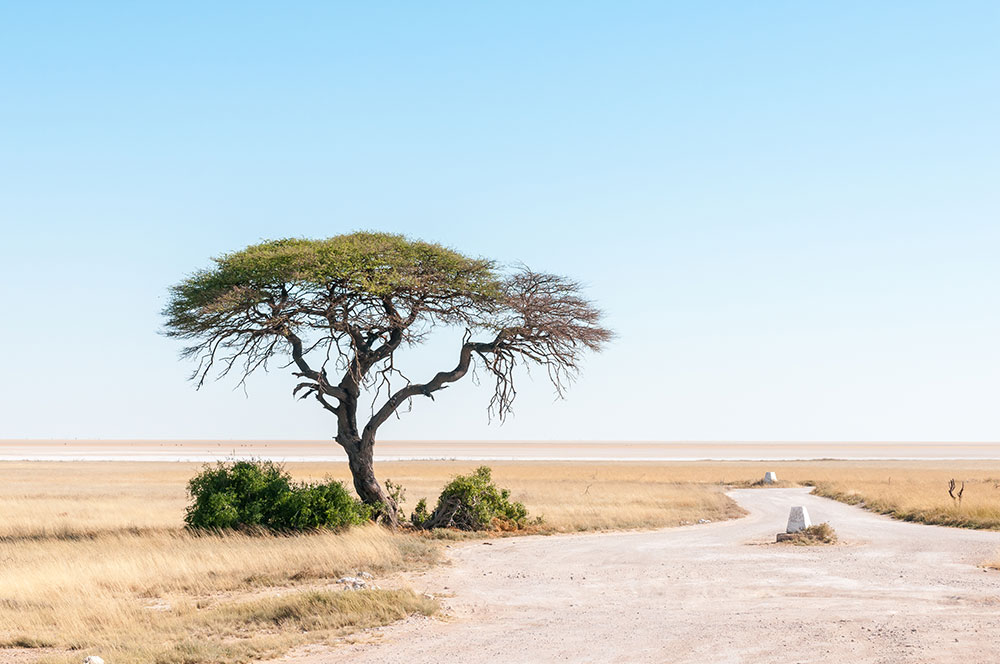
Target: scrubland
(72, 499)
(96, 560)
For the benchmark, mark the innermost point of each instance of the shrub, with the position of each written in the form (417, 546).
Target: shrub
(473, 502)
(420, 514)
(312, 506)
(821, 533)
(242, 493)
(247, 494)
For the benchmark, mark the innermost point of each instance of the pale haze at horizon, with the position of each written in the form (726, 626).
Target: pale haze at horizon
(789, 212)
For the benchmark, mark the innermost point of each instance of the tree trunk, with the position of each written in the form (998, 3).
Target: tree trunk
(360, 458)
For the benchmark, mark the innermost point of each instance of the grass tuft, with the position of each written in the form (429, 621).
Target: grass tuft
(26, 642)
(821, 533)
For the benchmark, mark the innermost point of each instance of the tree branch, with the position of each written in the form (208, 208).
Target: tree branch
(438, 382)
(321, 386)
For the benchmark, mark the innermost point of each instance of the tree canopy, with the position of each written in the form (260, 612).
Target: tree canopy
(339, 308)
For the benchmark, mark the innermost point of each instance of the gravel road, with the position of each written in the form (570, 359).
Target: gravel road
(708, 594)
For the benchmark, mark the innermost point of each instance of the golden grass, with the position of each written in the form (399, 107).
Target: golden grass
(157, 595)
(578, 496)
(243, 631)
(63, 499)
(95, 557)
(921, 494)
(821, 533)
(583, 496)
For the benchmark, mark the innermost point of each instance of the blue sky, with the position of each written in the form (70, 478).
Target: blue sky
(789, 211)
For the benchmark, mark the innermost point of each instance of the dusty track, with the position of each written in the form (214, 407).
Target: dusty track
(713, 593)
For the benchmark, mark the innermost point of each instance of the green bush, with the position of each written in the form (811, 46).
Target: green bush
(311, 506)
(420, 514)
(242, 493)
(247, 494)
(474, 502)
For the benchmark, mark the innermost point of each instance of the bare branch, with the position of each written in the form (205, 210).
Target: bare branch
(438, 382)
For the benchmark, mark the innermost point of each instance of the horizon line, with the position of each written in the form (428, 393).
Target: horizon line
(662, 441)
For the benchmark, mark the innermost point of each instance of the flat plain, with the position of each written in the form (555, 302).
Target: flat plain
(97, 560)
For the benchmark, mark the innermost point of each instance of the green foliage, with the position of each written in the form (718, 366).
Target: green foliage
(247, 494)
(312, 506)
(420, 513)
(362, 265)
(243, 493)
(395, 491)
(474, 502)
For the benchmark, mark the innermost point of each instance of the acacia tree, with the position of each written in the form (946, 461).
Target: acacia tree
(338, 309)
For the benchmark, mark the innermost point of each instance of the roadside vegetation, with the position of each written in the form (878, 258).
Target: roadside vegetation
(923, 497)
(821, 533)
(473, 502)
(917, 491)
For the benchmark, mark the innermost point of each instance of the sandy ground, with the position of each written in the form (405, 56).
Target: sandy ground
(718, 593)
(483, 450)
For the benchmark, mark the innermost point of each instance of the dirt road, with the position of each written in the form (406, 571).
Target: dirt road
(709, 594)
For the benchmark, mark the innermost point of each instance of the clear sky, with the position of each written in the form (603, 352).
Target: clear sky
(789, 210)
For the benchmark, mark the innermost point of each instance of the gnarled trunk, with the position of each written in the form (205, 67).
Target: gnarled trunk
(360, 458)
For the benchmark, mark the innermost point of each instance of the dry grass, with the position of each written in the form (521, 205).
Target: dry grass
(921, 494)
(574, 497)
(67, 499)
(94, 556)
(821, 533)
(162, 596)
(242, 631)
(582, 496)
(907, 490)
(62, 499)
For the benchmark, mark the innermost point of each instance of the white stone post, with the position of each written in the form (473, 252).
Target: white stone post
(798, 519)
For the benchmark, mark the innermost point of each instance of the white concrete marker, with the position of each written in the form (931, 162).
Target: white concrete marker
(770, 478)
(798, 519)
